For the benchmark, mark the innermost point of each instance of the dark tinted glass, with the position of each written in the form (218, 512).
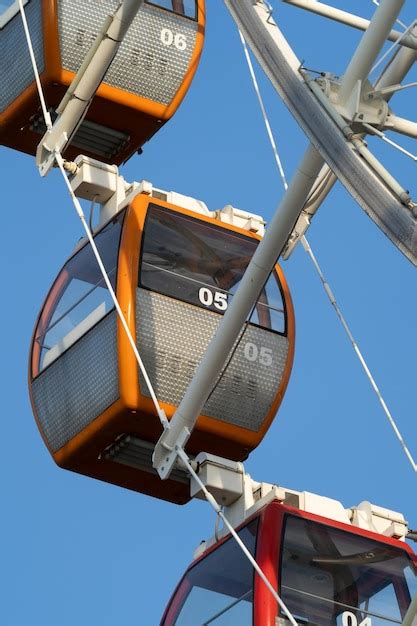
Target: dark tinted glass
(83, 298)
(182, 7)
(219, 589)
(332, 577)
(203, 264)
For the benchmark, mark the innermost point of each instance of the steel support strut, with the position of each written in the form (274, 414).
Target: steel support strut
(178, 431)
(349, 19)
(394, 73)
(372, 41)
(242, 303)
(78, 98)
(369, 46)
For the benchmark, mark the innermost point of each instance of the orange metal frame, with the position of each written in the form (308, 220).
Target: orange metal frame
(112, 107)
(134, 413)
(236, 439)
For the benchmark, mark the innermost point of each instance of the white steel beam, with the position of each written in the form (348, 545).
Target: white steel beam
(349, 19)
(282, 67)
(394, 73)
(397, 69)
(369, 47)
(239, 309)
(401, 125)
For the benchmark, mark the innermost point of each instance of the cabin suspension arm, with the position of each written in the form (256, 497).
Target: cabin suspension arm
(178, 431)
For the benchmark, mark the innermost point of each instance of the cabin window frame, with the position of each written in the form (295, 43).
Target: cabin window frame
(399, 589)
(183, 590)
(36, 366)
(273, 276)
(154, 3)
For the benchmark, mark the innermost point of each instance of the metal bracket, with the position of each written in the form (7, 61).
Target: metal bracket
(365, 104)
(101, 183)
(241, 497)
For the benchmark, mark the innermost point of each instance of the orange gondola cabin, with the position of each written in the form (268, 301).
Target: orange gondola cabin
(174, 271)
(143, 87)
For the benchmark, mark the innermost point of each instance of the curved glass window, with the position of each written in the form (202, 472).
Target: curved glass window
(188, 8)
(79, 297)
(218, 590)
(202, 264)
(330, 577)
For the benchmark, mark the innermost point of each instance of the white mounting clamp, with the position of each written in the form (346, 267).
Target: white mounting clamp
(241, 497)
(101, 183)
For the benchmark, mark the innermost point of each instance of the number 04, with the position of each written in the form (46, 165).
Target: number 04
(349, 619)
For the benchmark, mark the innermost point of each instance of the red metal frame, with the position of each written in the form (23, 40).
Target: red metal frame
(268, 556)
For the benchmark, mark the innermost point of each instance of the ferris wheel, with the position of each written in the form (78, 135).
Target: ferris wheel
(165, 345)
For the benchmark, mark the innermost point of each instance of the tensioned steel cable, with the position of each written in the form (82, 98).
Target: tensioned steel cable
(61, 164)
(218, 509)
(181, 453)
(323, 280)
(396, 44)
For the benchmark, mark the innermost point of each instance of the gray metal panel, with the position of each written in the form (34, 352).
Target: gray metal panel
(79, 385)
(172, 337)
(143, 65)
(16, 72)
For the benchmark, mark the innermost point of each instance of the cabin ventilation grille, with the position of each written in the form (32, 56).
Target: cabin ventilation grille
(91, 137)
(134, 452)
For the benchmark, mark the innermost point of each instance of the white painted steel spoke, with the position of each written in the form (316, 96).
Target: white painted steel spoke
(323, 280)
(378, 133)
(377, 3)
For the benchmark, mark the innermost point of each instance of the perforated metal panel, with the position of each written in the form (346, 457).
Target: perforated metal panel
(16, 72)
(79, 385)
(144, 65)
(172, 337)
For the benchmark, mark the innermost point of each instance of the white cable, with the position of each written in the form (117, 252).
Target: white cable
(80, 213)
(392, 47)
(359, 354)
(78, 208)
(265, 116)
(377, 3)
(327, 288)
(217, 508)
(393, 144)
(45, 111)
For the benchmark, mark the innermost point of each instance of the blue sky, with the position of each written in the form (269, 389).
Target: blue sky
(77, 551)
